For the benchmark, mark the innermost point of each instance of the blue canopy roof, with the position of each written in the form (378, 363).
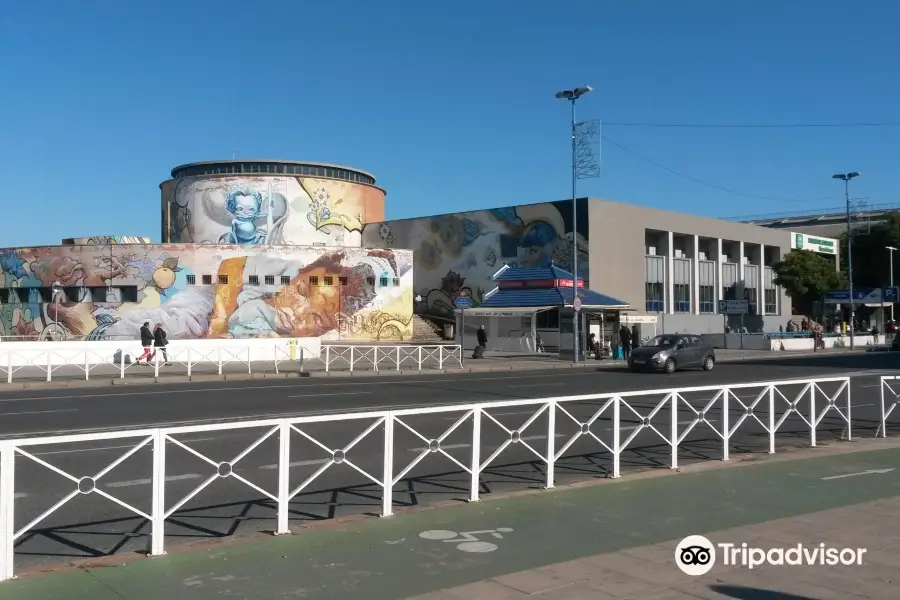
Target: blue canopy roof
(549, 298)
(533, 274)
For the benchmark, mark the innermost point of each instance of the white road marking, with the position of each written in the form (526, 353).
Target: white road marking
(125, 447)
(133, 482)
(527, 438)
(548, 383)
(329, 394)
(869, 472)
(299, 463)
(37, 412)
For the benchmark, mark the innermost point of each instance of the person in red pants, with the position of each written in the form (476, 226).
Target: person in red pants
(146, 342)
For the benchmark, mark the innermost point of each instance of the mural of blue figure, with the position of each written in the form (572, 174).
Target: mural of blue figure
(245, 207)
(537, 245)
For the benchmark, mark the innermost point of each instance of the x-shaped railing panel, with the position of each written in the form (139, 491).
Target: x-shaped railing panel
(831, 404)
(338, 456)
(223, 469)
(585, 427)
(432, 446)
(792, 405)
(83, 485)
(646, 422)
(750, 410)
(515, 436)
(699, 415)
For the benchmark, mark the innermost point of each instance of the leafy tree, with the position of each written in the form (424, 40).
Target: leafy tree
(805, 277)
(870, 256)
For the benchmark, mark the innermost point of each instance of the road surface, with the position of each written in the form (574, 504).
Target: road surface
(93, 526)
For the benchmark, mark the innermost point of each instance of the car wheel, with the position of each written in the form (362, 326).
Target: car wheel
(709, 363)
(669, 367)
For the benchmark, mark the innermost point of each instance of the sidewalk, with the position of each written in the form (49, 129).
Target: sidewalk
(615, 539)
(105, 375)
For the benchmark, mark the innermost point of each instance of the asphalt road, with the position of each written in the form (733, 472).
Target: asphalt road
(90, 525)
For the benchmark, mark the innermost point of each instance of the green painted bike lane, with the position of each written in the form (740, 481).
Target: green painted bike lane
(389, 559)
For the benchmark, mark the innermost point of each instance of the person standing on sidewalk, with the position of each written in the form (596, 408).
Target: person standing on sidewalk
(146, 342)
(482, 343)
(160, 341)
(625, 340)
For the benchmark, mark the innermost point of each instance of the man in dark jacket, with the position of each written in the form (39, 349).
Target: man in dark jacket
(625, 340)
(635, 336)
(146, 342)
(160, 342)
(482, 343)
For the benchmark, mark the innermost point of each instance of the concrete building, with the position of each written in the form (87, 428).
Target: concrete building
(668, 265)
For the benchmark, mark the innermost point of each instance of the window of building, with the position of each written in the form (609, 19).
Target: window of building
(207, 280)
(548, 319)
(707, 299)
(509, 246)
(223, 279)
(71, 294)
(682, 297)
(285, 280)
(269, 280)
(254, 279)
(730, 293)
(383, 282)
(329, 280)
(342, 280)
(98, 294)
(370, 281)
(770, 302)
(23, 294)
(313, 280)
(396, 282)
(750, 295)
(191, 279)
(655, 297)
(45, 294)
(129, 293)
(5, 295)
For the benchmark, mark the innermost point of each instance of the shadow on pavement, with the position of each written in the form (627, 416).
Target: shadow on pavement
(212, 524)
(738, 592)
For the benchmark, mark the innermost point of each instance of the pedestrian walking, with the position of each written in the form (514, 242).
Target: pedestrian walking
(160, 342)
(625, 340)
(146, 342)
(635, 336)
(482, 343)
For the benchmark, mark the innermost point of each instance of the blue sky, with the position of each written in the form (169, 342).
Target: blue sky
(449, 104)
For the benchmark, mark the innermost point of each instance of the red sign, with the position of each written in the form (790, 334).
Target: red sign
(540, 283)
(569, 283)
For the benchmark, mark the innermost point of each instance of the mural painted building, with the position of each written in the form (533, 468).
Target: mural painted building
(250, 249)
(457, 254)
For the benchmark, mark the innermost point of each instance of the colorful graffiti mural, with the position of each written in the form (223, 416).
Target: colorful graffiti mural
(268, 210)
(102, 240)
(456, 255)
(206, 291)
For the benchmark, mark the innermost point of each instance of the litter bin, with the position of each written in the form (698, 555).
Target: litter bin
(448, 331)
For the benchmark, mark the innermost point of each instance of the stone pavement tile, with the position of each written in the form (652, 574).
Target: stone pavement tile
(572, 592)
(846, 580)
(874, 538)
(635, 568)
(657, 553)
(533, 582)
(486, 590)
(889, 557)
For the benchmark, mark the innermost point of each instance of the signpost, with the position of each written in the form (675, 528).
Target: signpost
(733, 307)
(462, 303)
(887, 295)
(576, 304)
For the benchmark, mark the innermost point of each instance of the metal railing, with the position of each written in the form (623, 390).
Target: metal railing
(84, 359)
(622, 410)
(890, 399)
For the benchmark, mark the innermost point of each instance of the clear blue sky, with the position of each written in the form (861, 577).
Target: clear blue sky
(449, 104)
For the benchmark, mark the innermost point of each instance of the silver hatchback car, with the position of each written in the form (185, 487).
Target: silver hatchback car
(670, 352)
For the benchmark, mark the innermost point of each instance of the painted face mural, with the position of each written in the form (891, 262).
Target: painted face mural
(457, 255)
(269, 210)
(206, 291)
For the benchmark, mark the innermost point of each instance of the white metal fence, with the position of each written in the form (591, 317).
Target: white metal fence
(86, 358)
(623, 411)
(890, 399)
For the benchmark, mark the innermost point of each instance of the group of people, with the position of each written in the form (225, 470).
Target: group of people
(153, 341)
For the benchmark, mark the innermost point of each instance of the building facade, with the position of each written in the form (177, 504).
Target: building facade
(665, 264)
(250, 249)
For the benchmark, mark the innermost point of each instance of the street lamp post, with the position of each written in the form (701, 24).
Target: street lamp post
(572, 96)
(846, 177)
(891, 251)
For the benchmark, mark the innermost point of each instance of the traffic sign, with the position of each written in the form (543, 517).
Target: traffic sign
(734, 307)
(888, 295)
(463, 302)
(576, 304)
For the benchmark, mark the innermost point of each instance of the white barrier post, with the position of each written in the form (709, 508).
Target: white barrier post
(812, 416)
(327, 358)
(387, 498)
(275, 348)
(249, 361)
(441, 357)
(49, 368)
(726, 426)
(616, 441)
(87, 368)
(219, 354)
(771, 419)
(673, 430)
(284, 477)
(849, 415)
(7, 510)
(121, 363)
(351, 359)
(883, 409)
(475, 467)
(155, 363)
(420, 358)
(301, 359)
(9, 367)
(398, 358)
(376, 359)
(158, 514)
(551, 446)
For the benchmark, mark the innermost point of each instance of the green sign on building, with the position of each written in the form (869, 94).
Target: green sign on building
(802, 241)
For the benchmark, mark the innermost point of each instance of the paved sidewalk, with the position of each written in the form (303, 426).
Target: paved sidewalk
(613, 540)
(105, 375)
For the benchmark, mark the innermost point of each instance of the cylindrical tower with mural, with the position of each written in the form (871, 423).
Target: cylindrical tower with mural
(254, 201)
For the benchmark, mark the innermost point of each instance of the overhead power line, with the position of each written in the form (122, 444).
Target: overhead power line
(706, 183)
(752, 125)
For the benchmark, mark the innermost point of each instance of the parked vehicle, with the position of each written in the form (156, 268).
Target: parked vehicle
(671, 352)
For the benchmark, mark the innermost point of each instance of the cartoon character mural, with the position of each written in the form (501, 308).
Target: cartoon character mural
(268, 210)
(456, 255)
(348, 294)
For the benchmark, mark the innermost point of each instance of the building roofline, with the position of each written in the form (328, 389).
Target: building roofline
(268, 160)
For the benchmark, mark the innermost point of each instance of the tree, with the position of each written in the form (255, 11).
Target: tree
(870, 254)
(805, 277)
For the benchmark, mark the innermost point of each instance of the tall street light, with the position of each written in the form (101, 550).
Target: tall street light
(572, 96)
(891, 251)
(846, 177)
